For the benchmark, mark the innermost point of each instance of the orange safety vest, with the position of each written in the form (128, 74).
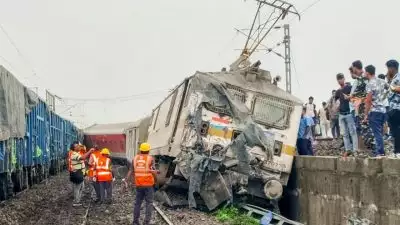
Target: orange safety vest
(93, 161)
(143, 176)
(103, 170)
(69, 166)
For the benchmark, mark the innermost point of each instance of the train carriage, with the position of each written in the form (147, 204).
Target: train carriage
(121, 138)
(28, 159)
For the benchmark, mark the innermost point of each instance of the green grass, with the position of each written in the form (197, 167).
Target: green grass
(232, 216)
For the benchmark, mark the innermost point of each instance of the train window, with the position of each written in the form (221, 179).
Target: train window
(272, 111)
(171, 107)
(155, 118)
(237, 93)
(130, 139)
(185, 103)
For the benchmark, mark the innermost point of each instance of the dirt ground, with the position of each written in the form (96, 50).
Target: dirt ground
(334, 147)
(50, 203)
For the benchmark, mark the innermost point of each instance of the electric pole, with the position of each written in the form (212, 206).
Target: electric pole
(288, 67)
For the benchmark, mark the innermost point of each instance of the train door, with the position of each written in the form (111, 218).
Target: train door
(130, 143)
(136, 142)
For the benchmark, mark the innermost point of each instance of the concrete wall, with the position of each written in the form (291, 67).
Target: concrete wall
(331, 188)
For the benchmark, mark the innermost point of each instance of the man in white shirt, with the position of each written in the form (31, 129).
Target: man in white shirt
(310, 107)
(386, 130)
(311, 112)
(324, 120)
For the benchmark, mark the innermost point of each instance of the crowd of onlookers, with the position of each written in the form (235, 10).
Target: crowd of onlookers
(367, 107)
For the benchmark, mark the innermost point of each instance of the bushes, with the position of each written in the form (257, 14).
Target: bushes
(232, 216)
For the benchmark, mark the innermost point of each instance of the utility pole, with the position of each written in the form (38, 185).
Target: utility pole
(288, 67)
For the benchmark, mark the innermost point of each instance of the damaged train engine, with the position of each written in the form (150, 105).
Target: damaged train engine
(219, 135)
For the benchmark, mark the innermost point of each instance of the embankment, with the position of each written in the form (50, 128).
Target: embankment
(332, 188)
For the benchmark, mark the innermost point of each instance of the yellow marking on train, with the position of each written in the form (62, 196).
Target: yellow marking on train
(227, 133)
(289, 150)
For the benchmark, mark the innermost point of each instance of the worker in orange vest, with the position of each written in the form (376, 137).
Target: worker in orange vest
(92, 171)
(70, 152)
(82, 151)
(144, 178)
(77, 168)
(104, 176)
(68, 158)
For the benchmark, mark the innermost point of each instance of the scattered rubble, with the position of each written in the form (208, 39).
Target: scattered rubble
(354, 220)
(335, 147)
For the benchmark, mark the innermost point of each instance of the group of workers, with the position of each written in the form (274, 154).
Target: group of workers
(99, 173)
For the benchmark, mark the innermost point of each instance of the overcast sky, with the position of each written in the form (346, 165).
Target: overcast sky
(98, 49)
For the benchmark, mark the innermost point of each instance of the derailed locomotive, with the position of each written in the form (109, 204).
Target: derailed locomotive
(225, 134)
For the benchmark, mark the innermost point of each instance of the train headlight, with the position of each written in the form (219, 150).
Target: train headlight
(273, 189)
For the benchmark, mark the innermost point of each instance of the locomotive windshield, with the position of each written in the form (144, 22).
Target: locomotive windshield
(266, 110)
(272, 112)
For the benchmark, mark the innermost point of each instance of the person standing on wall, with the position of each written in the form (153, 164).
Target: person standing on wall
(304, 135)
(144, 177)
(92, 171)
(333, 106)
(77, 172)
(394, 103)
(324, 117)
(386, 131)
(346, 120)
(104, 176)
(375, 109)
(358, 93)
(312, 113)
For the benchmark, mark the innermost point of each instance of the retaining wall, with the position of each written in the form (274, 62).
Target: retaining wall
(332, 188)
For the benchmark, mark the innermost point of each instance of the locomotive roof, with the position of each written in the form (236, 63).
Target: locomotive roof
(263, 86)
(110, 128)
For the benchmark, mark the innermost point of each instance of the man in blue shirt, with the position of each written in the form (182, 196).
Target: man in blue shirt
(375, 109)
(394, 103)
(304, 134)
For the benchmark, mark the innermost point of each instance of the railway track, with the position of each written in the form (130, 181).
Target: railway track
(51, 204)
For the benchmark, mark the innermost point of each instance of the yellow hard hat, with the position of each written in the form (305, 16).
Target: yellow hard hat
(105, 151)
(144, 147)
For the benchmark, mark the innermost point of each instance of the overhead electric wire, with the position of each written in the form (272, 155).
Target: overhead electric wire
(18, 50)
(310, 6)
(252, 26)
(129, 97)
(303, 11)
(261, 29)
(8, 62)
(295, 70)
